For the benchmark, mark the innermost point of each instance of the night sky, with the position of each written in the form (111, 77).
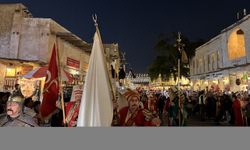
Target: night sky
(135, 25)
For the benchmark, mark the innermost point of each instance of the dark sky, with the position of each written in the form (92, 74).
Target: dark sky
(135, 25)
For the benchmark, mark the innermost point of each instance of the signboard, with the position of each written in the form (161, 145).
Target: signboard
(73, 63)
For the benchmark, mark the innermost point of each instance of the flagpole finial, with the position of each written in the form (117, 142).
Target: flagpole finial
(95, 19)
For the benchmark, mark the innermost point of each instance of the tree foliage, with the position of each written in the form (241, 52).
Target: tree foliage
(167, 54)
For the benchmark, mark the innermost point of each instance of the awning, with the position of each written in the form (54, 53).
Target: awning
(40, 72)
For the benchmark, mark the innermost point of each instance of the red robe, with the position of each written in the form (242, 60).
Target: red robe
(237, 113)
(72, 110)
(151, 105)
(166, 108)
(167, 104)
(138, 120)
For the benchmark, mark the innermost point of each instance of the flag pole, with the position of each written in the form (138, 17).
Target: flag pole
(60, 85)
(179, 77)
(109, 80)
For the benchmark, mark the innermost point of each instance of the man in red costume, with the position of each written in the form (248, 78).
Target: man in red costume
(237, 110)
(73, 107)
(133, 115)
(72, 110)
(151, 103)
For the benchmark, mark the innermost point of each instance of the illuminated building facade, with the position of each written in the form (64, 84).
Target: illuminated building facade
(224, 59)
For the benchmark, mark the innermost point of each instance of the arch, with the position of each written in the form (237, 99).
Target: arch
(236, 45)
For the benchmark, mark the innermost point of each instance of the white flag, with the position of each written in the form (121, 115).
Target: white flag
(96, 107)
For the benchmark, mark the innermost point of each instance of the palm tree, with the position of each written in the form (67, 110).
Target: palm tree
(166, 61)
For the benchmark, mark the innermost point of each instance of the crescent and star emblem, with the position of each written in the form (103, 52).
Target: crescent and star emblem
(50, 83)
(48, 76)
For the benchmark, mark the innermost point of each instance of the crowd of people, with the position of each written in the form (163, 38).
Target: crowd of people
(144, 108)
(230, 107)
(176, 107)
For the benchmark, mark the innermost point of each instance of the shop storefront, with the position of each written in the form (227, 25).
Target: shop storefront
(237, 79)
(11, 72)
(17, 72)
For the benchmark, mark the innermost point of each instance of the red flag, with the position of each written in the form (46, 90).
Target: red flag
(66, 76)
(51, 87)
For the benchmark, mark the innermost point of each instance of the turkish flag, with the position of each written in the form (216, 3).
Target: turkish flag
(66, 76)
(51, 87)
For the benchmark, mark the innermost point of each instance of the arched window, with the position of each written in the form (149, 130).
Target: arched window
(236, 45)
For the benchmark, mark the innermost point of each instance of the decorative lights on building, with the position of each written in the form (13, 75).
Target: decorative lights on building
(140, 78)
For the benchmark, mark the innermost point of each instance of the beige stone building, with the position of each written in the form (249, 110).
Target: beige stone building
(224, 59)
(26, 43)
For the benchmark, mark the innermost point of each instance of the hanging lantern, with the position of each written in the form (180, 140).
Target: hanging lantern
(11, 70)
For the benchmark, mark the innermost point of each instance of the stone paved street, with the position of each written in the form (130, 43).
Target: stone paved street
(194, 121)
